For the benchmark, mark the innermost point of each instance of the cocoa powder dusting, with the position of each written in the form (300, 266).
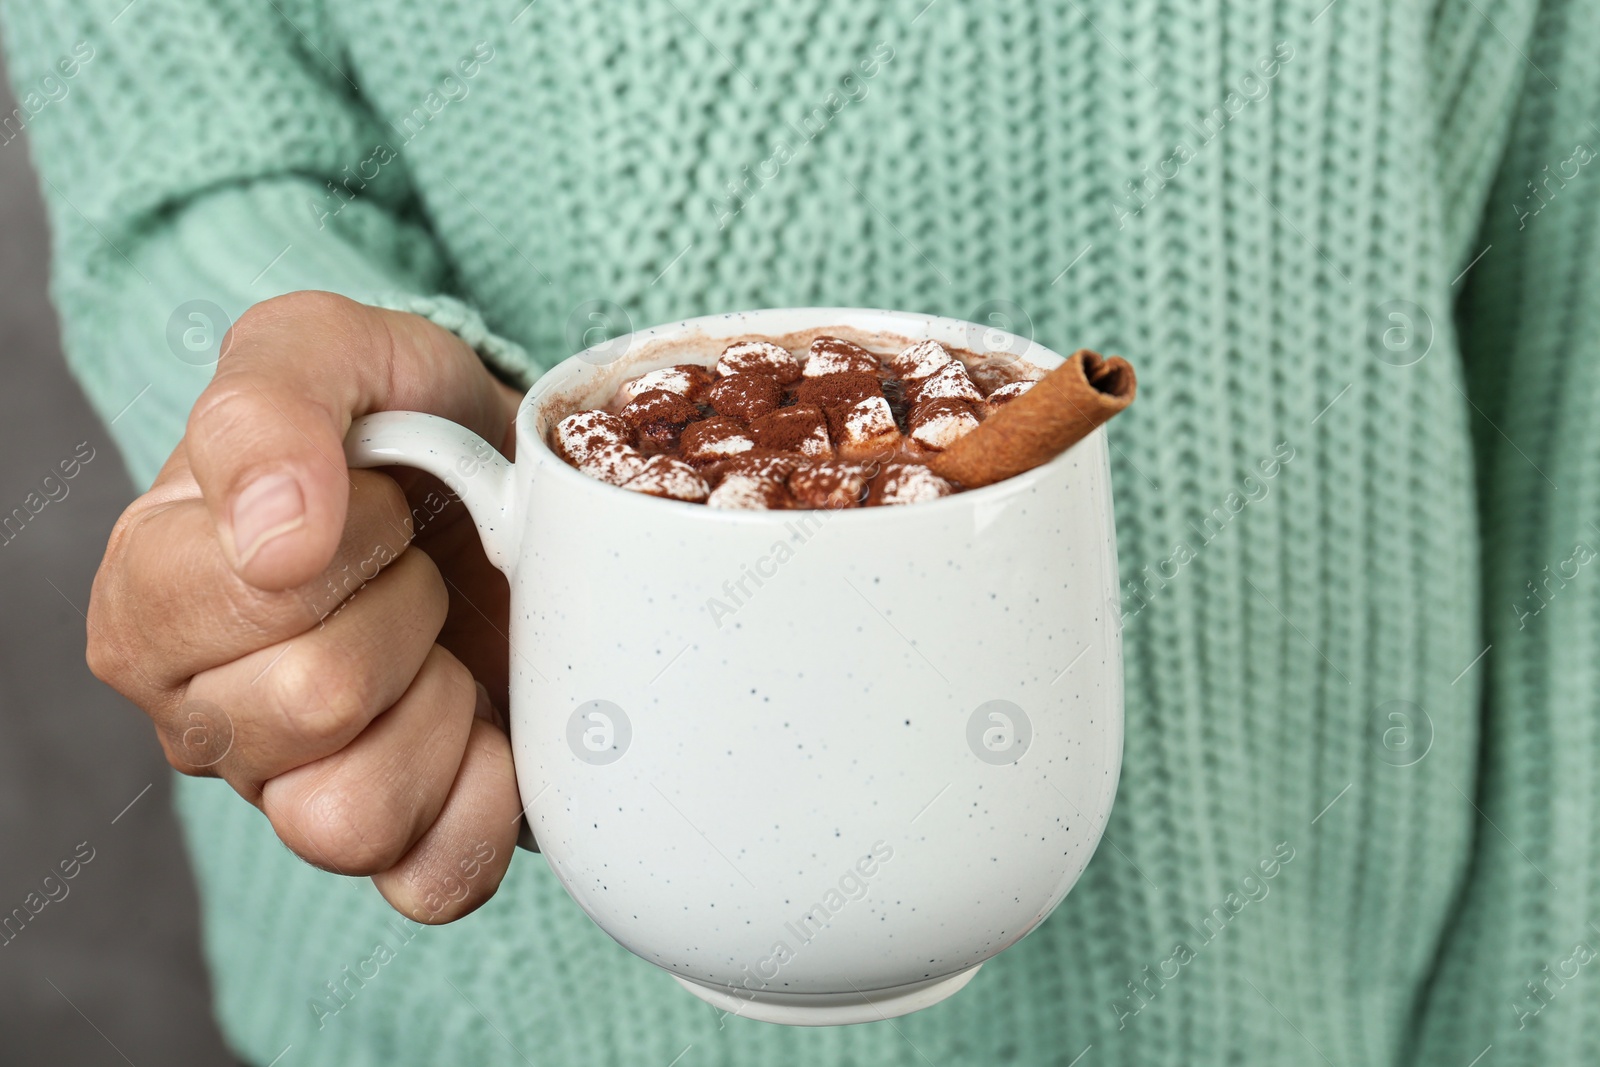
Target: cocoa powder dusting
(775, 427)
(788, 429)
(829, 485)
(713, 439)
(746, 395)
(836, 394)
(659, 417)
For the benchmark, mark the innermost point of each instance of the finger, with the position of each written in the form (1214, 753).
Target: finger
(167, 601)
(361, 809)
(265, 438)
(459, 862)
(480, 602)
(302, 700)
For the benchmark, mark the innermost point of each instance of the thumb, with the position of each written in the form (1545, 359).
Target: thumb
(265, 439)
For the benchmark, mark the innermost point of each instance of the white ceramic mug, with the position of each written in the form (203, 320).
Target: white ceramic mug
(817, 765)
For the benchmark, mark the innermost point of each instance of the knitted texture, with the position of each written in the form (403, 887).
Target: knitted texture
(1352, 249)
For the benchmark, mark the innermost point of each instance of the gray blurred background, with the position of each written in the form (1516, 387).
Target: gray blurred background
(111, 972)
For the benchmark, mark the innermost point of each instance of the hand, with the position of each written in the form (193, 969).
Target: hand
(261, 604)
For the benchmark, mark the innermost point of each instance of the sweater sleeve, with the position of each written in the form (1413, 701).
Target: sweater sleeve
(196, 157)
(1513, 966)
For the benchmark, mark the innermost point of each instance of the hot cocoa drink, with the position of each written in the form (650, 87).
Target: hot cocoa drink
(836, 425)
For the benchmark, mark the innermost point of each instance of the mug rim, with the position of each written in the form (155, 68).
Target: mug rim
(903, 321)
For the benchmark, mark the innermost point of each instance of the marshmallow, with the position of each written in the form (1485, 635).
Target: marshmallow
(801, 428)
(767, 466)
(949, 382)
(938, 424)
(715, 438)
(821, 429)
(759, 357)
(1009, 392)
(920, 360)
(671, 478)
(749, 492)
(991, 374)
(659, 416)
(834, 355)
(746, 395)
(817, 445)
(686, 379)
(868, 429)
(828, 485)
(584, 432)
(612, 464)
(908, 483)
(837, 392)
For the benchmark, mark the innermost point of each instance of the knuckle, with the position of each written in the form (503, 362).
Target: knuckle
(448, 881)
(342, 826)
(127, 523)
(335, 319)
(322, 694)
(435, 593)
(226, 403)
(461, 688)
(175, 756)
(299, 307)
(98, 653)
(433, 898)
(104, 618)
(176, 763)
(103, 662)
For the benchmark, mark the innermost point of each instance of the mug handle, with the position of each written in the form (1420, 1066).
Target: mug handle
(472, 468)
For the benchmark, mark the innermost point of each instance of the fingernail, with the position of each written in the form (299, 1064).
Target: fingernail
(268, 507)
(485, 709)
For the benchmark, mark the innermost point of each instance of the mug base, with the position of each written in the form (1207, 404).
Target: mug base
(831, 1009)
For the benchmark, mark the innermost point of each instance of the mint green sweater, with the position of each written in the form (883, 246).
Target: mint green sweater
(1353, 251)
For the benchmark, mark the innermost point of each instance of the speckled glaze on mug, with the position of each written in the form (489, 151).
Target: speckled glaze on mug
(818, 766)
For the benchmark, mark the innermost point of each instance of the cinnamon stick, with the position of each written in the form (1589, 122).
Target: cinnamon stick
(1061, 409)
